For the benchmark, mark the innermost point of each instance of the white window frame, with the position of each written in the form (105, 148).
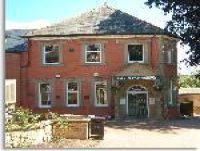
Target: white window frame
(171, 92)
(10, 91)
(105, 97)
(50, 93)
(169, 56)
(72, 92)
(44, 55)
(86, 51)
(142, 52)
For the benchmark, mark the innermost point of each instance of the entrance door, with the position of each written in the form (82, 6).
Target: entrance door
(137, 103)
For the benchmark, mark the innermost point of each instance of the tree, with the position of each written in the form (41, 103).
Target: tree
(185, 23)
(189, 82)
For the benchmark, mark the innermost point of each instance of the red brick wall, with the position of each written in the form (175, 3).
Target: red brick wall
(73, 67)
(12, 70)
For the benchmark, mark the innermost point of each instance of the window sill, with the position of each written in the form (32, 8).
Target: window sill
(44, 107)
(95, 64)
(77, 106)
(101, 106)
(53, 65)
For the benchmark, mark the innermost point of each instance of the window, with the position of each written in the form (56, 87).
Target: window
(93, 53)
(171, 92)
(51, 54)
(101, 94)
(135, 53)
(72, 94)
(169, 56)
(45, 95)
(10, 91)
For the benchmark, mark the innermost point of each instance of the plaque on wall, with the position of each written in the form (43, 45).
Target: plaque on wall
(122, 101)
(151, 100)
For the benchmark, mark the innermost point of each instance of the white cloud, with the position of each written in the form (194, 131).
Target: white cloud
(26, 25)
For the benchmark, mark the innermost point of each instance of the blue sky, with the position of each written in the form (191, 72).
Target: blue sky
(40, 13)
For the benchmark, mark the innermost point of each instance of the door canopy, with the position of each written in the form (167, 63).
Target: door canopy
(137, 88)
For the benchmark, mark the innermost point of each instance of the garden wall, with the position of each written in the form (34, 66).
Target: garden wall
(18, 139)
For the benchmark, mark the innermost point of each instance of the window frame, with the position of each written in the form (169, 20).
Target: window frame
(142, 52)
(171, 92)
(95, 84)
(85, 48)
(50, 95)
(73, 92)
(44, 54)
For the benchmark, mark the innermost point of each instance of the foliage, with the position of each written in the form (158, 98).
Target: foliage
(189, 82)
(185, 23)
(23, 119)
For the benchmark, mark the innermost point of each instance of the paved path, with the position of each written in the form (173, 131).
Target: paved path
(183, 133)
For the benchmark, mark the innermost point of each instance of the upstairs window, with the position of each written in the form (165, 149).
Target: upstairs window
(51, 54)
(72, 94)
(101, 94)
(135, 53)
(45, 95)
(93, 53)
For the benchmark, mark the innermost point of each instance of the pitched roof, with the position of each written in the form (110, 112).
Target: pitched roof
(13, 41)
(100, 21)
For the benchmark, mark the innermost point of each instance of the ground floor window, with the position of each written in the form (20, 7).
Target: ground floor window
(10, 91)
(72, 94)
(45, 91)
(101, 93)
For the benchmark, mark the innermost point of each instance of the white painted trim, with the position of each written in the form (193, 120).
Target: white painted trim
(138, 92)
(10, 92)
(103, 36)
(40, 102)
(171, 92)
(142, 52)
(77, 92)
(101, 105)
(44, 55)
(85, 50)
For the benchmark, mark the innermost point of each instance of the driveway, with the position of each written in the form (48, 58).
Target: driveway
(181, 133)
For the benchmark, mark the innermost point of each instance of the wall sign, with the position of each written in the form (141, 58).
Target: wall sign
(136, 77)
(151, 100)
(122, 101)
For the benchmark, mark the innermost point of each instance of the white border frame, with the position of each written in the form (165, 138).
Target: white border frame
(100, 105)
(77, 92)
(85, 47)
(39, 95)
(142, 52)
(137, 92)
(44, 55)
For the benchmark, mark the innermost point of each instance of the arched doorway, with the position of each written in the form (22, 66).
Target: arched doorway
(137, 102)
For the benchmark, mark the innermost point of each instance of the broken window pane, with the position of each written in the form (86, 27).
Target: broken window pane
(51, 54)
(135, 53)
(93, 53)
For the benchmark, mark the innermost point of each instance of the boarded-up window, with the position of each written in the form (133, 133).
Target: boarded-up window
(10, 91)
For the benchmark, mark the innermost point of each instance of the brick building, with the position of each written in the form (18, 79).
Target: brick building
(102, 62)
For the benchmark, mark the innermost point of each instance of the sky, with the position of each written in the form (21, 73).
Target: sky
(28, 14)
